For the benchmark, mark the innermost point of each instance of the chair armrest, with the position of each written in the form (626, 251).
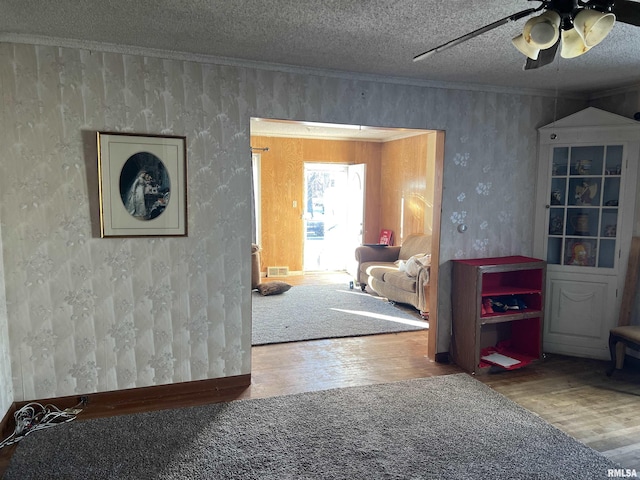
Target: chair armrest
(366, 254)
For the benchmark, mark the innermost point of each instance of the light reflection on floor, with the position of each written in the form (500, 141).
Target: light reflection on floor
(405, 321)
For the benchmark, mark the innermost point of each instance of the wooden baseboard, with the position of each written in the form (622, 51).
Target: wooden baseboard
(157, 397)
(6, 428)
(135, 400)
(6, 425)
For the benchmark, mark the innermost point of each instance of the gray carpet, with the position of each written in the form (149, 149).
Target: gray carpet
(309, 312)
(448, 427)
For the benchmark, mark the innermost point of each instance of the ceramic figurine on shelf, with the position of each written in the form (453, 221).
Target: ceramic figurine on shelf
(585, 193)
(556, 225)
(583, 167)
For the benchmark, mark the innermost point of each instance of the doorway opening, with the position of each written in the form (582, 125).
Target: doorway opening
(334, 214)
(402, 192)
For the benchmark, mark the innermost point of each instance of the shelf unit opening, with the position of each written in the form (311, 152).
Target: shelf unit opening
(518, 339)
(517, 281)
(532, 302)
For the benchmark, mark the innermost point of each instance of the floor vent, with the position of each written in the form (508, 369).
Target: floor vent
(277, 271)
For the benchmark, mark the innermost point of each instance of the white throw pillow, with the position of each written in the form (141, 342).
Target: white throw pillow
(425, 260)
(416, 262)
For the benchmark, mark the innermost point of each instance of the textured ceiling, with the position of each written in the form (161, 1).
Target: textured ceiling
(374, 37)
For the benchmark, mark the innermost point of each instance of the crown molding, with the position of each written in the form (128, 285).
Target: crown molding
(234, 62)
(633, 88)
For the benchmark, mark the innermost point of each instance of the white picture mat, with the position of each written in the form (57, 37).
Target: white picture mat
(114, 151)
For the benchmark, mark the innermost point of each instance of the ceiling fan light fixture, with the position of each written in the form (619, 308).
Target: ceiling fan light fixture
(582, 24)
(539, 33)
(526, 48)
(572, 44)
(593, 26)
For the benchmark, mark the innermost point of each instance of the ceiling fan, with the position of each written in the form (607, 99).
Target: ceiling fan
(573, 25)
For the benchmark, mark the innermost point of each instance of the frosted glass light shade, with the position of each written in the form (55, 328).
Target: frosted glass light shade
(539, 33)
(593, 26)
(525, 47)
(572, 44)
(542, 31)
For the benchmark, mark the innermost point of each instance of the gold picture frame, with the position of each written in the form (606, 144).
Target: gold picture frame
(142, 184)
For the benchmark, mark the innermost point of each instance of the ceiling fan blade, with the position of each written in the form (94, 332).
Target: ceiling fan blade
(475, 33)
(627, 12)
(545, 57)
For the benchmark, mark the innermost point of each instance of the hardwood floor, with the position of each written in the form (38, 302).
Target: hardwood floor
(323, 364)
(571, 393)
(576, 396)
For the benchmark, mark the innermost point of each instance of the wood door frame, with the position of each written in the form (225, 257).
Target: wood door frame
(436, 153)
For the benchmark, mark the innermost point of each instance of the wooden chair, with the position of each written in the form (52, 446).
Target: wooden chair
(625, 335)
(628, 336)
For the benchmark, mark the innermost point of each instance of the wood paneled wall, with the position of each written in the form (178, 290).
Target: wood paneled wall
(282, 182)
(406, 186)
(399, 189)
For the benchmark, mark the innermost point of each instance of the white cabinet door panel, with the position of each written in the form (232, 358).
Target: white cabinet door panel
(579, 314)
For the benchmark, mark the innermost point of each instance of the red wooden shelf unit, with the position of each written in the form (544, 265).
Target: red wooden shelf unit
(514, 284)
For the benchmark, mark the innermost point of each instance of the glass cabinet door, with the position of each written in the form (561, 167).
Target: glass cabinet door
(583, 205)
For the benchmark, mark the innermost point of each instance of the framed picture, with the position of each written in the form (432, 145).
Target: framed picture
(580, 252)
(142, 181)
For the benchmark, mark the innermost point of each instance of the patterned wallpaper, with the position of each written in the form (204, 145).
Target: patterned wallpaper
(87, 314)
